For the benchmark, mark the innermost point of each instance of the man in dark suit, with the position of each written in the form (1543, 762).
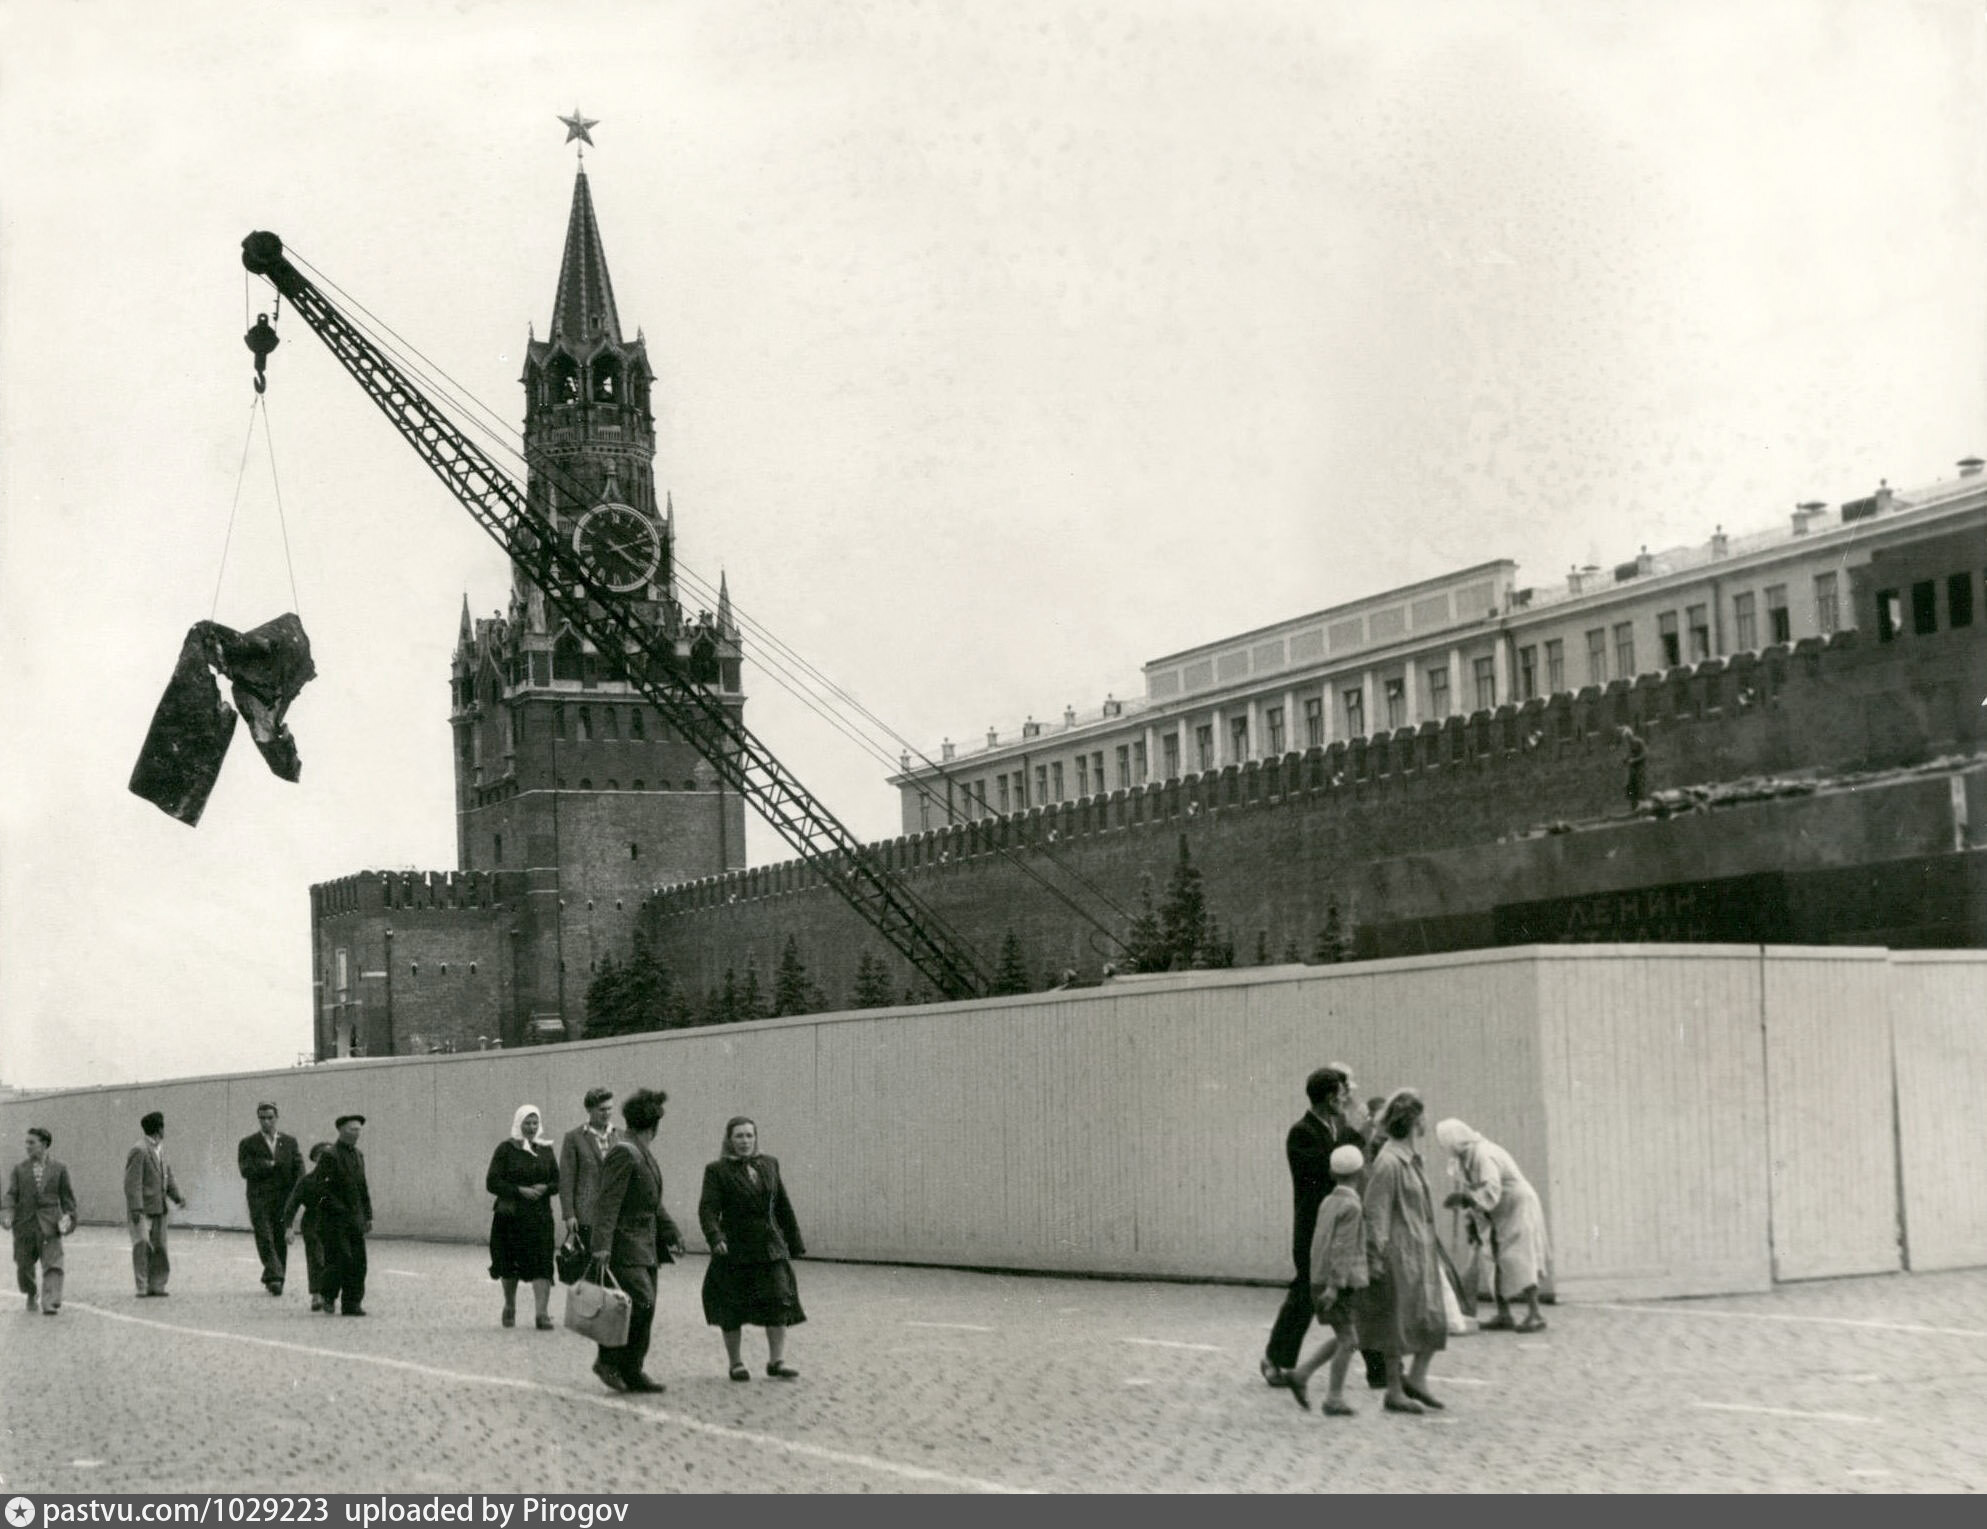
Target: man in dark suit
(632, 1235)
(148, 1186)
(41, 1208)
(271, 1163)
(581, 1152)
(1308, 1149)
(344, 1216)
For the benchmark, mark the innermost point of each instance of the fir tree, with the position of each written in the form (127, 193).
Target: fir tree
(792, 992)
(872, 989)
(751, 1000)
(1334, 945)
(606, 1006)
(1012, 976)
(1183, 925)
(1290, 956)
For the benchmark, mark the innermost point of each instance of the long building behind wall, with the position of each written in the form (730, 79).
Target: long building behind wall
(1471, 642)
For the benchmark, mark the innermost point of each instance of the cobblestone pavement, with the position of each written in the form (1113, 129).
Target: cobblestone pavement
(938, 1380)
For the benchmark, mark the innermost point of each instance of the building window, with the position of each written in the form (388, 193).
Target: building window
(1698, 619)
(1204, 746)
(637, 724)
(1020, 790)
(1890, 614)
(1082, 774)
(1042, 785)
(1056, 780)
(1666, 634)
(1396, 692)
(1097, 770)
(1170, 745)
(1745, 623)
(1314, 722)
(586, 723)
(500, 849)
(1624, 650)
(924, 814)
(1777, 619)
(1273, 721)
(1124, 767)
(638, 785)
(1828, 608)
(1924, 608)
(1438, 692)
(1355, 713)
(1555, 666)
(1238, 739)
(1000, 793)
(1597, 656)
(566, 658)
(586, 783)
(1138, 762)
(1528, 673)
(1486, 684)
(1959, 600)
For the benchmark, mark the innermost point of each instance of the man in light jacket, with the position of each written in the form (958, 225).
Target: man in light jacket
(148, 1187)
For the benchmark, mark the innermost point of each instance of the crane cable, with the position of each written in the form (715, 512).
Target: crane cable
(488, 423)
(258, 408)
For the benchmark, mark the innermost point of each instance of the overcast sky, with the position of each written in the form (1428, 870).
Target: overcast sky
(1001, 348)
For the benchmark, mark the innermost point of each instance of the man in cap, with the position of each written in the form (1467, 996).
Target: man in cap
(271, 1162)
(41, 1208)
(148, 1186)
(345, 1216)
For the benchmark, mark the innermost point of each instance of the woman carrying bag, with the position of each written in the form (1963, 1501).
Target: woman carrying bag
(524, 1175)
(749, 1224)
(632, 1235)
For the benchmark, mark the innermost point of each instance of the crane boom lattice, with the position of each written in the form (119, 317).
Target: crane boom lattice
(602, 616)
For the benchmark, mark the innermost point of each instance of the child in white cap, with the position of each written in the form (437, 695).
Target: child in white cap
(1338, 1267)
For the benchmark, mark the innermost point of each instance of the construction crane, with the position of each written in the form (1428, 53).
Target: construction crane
(602, 616)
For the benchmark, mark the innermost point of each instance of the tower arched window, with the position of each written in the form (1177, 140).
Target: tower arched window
(565, 380)
(586, 724)
(606, 380)
(566, 657)
(636, 726)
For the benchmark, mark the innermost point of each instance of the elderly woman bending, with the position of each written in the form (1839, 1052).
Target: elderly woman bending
(1502, 1202)
(1400, 1312)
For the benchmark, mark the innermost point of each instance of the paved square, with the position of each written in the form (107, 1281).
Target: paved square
(938, 1380)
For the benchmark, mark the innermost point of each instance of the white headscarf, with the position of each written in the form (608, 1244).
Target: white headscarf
(1455, 1136)
(517, 1127)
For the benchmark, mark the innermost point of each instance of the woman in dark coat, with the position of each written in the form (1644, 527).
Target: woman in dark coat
(524, 1176)
(1400, 1313)
(749, 1225)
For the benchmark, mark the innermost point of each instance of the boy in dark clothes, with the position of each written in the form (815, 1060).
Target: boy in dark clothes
(304, 1197)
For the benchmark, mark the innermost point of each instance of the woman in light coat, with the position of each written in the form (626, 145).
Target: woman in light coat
(1400, 1312)
(1503, 1204)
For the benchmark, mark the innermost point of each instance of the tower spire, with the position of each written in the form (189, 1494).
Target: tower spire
(724, 604)
(583, 309)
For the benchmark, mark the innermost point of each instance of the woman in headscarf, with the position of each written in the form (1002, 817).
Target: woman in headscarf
(1400, 1312)
(749, 1225)
(524, 1176)
(1503, 1204)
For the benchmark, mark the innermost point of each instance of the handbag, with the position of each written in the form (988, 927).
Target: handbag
(572, 1257)
(600, 1312)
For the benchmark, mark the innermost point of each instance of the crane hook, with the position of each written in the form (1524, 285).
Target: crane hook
(262, 340)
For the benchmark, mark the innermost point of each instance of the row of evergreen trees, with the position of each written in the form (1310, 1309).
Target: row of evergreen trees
(1179, 934)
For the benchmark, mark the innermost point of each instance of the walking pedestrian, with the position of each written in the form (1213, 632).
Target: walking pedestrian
(581, 1152)
(749, 1223)
(40, 1208)
(524, 1175)
(632, 1236)
(345, 1218)
(1338, 1270)
(270, 1162)
(304, 1196)
(1400, 1312)
(1508, 1215)
(1307, 1148)
(150, 1191)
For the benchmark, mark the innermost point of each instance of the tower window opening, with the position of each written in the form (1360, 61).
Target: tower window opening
(606, 380)
(566, 657)
(639, 785)
(586, 783)
(634, 851)
(637, 726)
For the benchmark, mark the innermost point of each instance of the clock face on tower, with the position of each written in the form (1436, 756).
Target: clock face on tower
(619, 544)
